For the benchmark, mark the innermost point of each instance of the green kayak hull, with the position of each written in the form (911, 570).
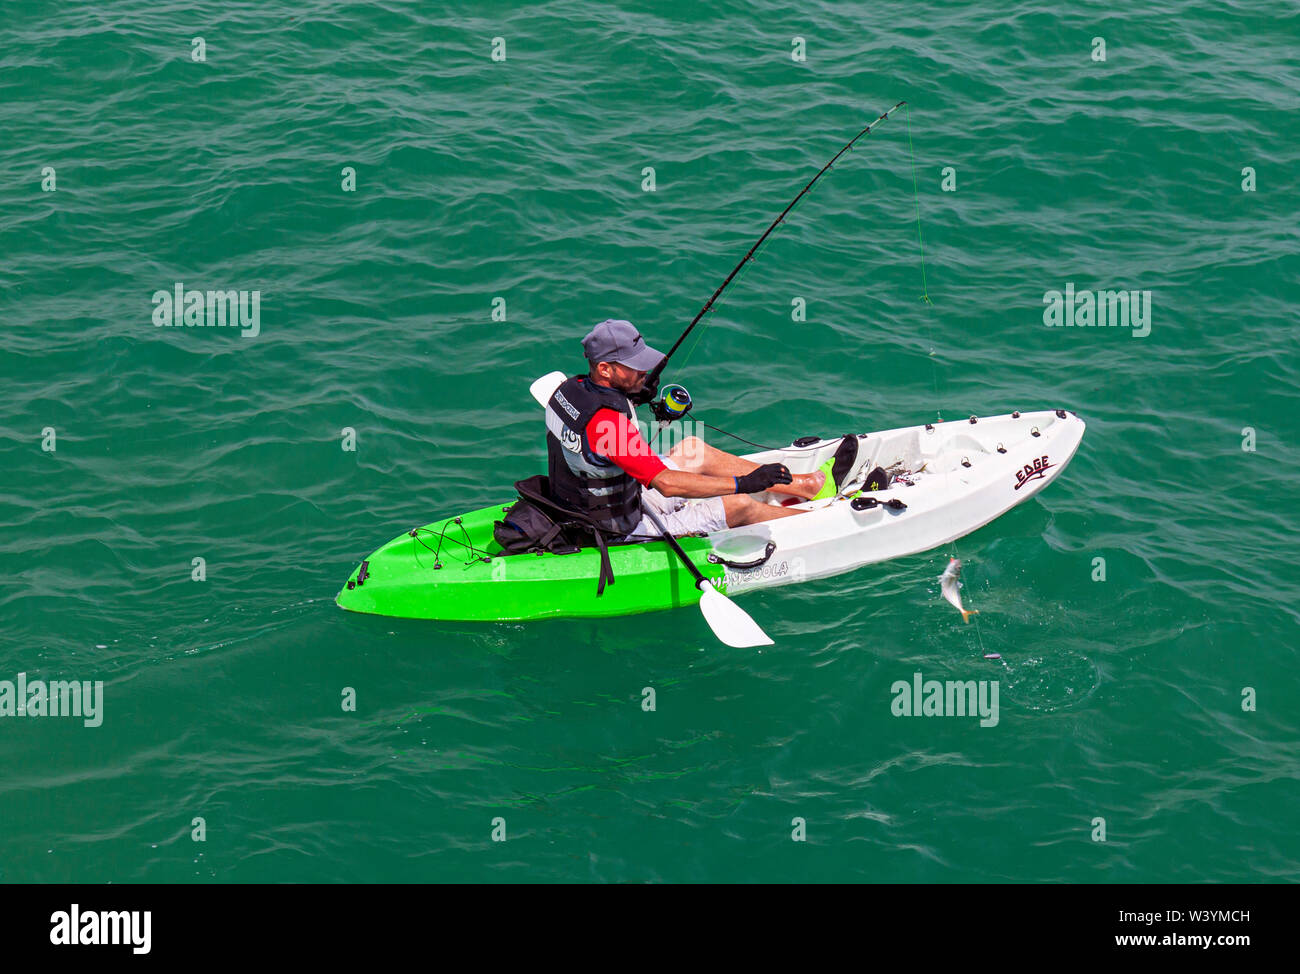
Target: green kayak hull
(453, 570)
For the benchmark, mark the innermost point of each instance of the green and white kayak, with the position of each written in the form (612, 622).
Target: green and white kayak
(955, 478)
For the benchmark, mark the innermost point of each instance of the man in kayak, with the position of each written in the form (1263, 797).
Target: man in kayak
(599, 463)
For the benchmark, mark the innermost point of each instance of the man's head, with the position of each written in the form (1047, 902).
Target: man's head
(618, 355)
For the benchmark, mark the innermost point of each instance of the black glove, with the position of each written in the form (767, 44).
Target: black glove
(647, 394)
(763, 478)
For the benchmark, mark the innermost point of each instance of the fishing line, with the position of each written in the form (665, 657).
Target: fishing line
(925, 290)
(741, 438)
(716, 429)
(929, 324)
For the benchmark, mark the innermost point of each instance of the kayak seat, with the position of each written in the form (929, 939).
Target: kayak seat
(538, 490)
(569, 529)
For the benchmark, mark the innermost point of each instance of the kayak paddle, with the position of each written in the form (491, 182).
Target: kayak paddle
(729, 622)
(542, 389)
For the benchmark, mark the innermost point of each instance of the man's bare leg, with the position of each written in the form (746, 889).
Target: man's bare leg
(695, 456)
(743, 509)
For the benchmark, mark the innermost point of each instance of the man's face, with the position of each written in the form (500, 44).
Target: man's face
(620, 377)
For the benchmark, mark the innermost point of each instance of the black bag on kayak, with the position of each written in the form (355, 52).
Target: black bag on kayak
(525, 527)
(537, 522)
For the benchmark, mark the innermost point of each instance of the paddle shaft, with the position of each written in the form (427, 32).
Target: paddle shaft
(672, 543)
(729, 622)
(658, 369)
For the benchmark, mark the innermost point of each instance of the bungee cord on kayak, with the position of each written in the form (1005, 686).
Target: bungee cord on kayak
(475, 554)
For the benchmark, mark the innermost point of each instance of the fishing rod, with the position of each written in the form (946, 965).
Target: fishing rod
(654, 375)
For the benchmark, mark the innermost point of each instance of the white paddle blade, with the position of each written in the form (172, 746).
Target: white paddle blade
(543, 388)
(730, 622)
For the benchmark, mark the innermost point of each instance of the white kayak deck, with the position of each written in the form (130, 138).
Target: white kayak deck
(961, 481)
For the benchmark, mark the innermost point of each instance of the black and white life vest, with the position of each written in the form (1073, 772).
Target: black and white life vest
(580, 478)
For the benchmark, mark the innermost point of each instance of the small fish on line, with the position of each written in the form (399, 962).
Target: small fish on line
(950, 586)
(992, 655)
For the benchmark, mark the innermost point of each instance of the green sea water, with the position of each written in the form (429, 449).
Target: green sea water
(135, 158)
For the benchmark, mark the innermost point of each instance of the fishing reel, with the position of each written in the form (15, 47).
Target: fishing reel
(672, 405)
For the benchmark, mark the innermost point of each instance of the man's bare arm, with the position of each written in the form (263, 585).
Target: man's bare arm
(680, 483)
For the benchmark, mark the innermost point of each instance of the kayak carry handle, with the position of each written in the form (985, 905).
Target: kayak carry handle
(744, 565)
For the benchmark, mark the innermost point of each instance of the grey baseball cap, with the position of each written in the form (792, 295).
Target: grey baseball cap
(615, 340)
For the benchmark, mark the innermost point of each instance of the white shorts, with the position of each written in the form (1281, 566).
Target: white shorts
(681, 515)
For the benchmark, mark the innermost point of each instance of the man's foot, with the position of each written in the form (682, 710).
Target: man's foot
(829, 485)
(825, 481)
(804, 486)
